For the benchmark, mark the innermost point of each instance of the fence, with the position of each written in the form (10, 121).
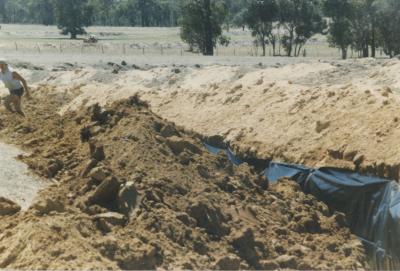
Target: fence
(125, 48)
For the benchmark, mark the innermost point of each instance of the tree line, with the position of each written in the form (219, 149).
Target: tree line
(360, 25)
(364, 25)
(284, 25)
(102, 12)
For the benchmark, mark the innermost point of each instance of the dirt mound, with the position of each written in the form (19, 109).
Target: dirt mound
(295, 114)
(134, 191)
(339, 114)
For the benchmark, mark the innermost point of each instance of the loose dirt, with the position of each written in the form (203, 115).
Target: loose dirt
(342, 114)
(135, 191)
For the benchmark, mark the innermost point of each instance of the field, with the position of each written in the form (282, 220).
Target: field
(45, 43)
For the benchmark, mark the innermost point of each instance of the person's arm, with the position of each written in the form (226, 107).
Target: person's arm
(18, 77)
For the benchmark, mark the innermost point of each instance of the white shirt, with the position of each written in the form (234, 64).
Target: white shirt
(9, 81)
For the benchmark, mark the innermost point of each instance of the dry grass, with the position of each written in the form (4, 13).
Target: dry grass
(132, 41)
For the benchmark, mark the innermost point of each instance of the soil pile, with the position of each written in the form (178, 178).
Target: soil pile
(342, 114)
(134, 191)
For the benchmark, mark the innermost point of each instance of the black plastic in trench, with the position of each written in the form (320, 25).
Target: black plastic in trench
(371, 204)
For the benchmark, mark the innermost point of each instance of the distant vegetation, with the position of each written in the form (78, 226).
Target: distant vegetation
(290, 22)
(104, 12)
(202, 24)
(361, 25)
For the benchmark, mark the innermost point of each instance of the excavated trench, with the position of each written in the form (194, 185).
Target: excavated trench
(377, 211)
(16, 182)
(18, 185)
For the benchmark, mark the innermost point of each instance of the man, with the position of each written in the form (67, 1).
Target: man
(17, 86)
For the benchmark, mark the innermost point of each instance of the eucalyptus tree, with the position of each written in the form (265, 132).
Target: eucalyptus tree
(201, 24)
(260, 18)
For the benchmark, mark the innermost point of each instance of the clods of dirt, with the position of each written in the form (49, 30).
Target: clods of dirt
(142, 193)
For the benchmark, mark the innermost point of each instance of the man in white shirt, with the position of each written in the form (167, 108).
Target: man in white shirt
(17, 86)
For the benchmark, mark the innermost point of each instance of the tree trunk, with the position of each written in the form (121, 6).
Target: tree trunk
(290, 45)
(299, 51)
(373, 41)
(289, 49)
(263, 46)
(273, 48)
(73, 35)
(208, 46)
(344, 53)
(366, 49)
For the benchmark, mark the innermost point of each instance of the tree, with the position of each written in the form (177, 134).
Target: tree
(301, 19)
(41, 11)
(260, 18)
(236, 10)
(3, 10)
(201, 24)
(16, 12)
(103, 10)
(371, 9)
(174, 12)
(148, 12)
(363, 21)
(341, 14)
(72, 16)
(360, 28)
(388, 21)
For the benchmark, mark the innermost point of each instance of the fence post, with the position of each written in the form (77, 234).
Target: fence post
(162, 50)
(234, 51)
(143, 50)
(60, 48)
(181, 52)
(124, 49)
(102, 49)
(16, 46)
(38, 47)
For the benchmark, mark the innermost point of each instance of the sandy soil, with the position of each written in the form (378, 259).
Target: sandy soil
(136, 192)
(16, 182)
(323, 113)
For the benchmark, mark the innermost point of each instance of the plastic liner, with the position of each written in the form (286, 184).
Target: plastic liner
(371, 204)
(231, 156)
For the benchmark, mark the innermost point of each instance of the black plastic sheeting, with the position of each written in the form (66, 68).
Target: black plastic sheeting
(371, 204)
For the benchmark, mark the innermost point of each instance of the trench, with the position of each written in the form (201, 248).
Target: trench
(16, 181)
(371, 204)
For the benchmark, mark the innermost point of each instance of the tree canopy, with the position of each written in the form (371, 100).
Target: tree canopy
(105, 12)
(341, 14)
(260, 17)
(72, 16)
(201, 24)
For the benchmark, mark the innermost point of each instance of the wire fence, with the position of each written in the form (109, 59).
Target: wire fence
(124, 48)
